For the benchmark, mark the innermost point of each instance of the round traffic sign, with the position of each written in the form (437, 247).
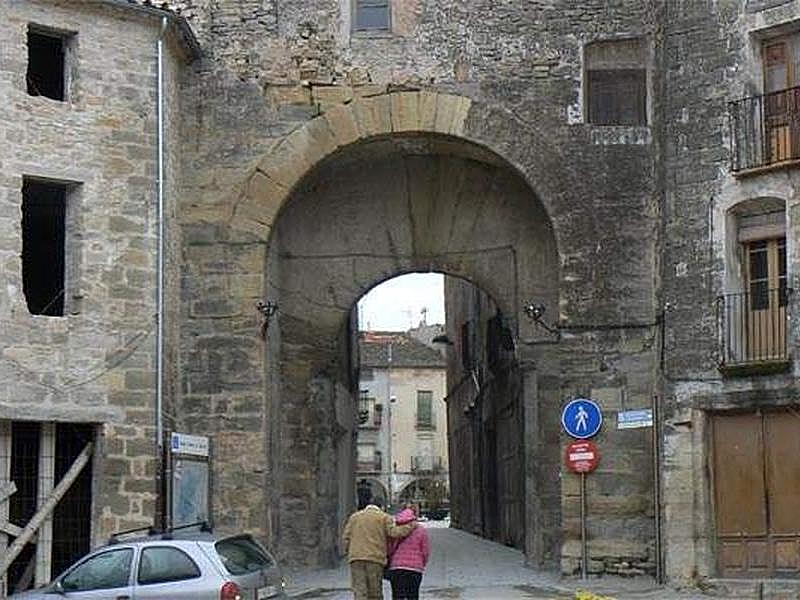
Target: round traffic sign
(582, 418)
(582, 457)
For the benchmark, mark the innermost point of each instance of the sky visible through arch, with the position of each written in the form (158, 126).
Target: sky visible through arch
(397, 304)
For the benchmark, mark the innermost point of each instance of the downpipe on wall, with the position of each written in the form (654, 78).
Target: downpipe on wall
(162, 474)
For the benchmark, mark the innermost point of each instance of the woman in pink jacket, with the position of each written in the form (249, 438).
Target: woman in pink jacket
(408, 557)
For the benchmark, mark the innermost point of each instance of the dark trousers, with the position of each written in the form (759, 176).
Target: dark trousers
(405, 584)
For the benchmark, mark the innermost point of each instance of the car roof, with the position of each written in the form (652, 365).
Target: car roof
(177, 537)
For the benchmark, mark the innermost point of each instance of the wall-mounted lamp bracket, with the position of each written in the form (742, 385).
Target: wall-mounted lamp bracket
(535, 312)
(267, 310)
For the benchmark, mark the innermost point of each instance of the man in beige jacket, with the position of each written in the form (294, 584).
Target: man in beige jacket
(364, 540)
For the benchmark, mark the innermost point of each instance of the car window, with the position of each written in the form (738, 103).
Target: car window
(103, 571)
(161, 564)
(242, 555)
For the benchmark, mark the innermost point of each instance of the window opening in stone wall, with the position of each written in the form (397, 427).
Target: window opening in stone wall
(371, 15)
(72, 516)
(754, 311)
(47, 63)
(424, 409)
(37, 457)
(43, 246)
(616, 82)
(782, 97)
(22, 504)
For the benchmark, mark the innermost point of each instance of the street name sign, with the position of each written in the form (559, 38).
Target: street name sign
(193, 445)
(582, 457)
(582, 418)
(634, 419)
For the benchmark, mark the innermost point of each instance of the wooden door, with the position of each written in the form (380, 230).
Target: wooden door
(782, 468)
(756, 486)
(781, 101)
(766, 300)
(511, 473)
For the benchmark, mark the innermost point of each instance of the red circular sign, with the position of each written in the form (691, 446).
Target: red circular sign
(582, 456)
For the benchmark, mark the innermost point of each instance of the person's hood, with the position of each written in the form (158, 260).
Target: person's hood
(405, 516)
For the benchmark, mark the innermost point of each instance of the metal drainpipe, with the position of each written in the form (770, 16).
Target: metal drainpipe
(160, 265)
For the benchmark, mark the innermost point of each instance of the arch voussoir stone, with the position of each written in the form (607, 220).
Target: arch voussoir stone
(288, 161)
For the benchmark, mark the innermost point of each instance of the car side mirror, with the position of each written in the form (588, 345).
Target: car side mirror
(58, 588)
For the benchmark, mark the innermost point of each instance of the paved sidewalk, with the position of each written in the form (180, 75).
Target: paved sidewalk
(466, 567)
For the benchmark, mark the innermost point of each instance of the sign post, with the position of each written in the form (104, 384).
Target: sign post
(582, 457)
(582, 419)
(190, 480)
(584, 545)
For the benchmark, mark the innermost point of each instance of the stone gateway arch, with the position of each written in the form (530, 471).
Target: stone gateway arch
(370, 189)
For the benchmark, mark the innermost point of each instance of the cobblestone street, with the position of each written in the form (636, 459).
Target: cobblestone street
(466, 567)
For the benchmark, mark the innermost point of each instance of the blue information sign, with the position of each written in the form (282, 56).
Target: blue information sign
(582, 418)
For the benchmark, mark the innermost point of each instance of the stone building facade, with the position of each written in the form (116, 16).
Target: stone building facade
(580, 156)
(402, 426)
(78, 232)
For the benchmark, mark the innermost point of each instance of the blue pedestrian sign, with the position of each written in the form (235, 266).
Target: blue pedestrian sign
(582, 418)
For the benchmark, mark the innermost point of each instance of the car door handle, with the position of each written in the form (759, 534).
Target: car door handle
(123, 598)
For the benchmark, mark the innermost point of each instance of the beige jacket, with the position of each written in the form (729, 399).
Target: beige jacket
(366, 533)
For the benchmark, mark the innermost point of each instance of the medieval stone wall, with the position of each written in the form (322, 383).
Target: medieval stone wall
(96, 363)
(713, 55)
(521, 66)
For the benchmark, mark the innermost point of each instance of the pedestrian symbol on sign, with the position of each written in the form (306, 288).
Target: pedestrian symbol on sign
(582, 418)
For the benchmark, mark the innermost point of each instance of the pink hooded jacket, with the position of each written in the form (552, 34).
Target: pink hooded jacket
(410, 552)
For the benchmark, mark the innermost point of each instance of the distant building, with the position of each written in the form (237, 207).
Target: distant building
(402, 388)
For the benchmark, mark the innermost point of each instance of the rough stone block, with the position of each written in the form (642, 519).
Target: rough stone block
(427, 105)
(373, 115)
(342, 123)
(451, 114)
(331, 95)
(609, 398)
(405, 111)
(263, 200)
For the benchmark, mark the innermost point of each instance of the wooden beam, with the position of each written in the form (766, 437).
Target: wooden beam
(10, 529)
(47, 474)
(7, 489)
(30, 529)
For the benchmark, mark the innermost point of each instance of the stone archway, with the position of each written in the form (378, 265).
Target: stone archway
(289, 215)
(290, 159)
(377, 208)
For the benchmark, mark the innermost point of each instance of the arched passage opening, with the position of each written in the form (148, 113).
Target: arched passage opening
(370, 211)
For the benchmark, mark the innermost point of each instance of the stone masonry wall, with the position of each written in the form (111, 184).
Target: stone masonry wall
(96, 363)
(521, 67)
(712, 55)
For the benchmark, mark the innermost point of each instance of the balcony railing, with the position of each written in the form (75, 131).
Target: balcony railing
(369, 466)
(426, 464)
(765, 130)
(753, 327)
(425, 421)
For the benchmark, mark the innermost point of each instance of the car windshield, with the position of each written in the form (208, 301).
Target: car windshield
(242, 555)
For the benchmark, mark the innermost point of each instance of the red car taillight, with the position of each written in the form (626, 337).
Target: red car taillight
(230, 591)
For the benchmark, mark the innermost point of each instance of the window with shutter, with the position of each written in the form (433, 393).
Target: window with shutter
(616, 83)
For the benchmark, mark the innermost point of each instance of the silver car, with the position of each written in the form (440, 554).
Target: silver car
(202, 568)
